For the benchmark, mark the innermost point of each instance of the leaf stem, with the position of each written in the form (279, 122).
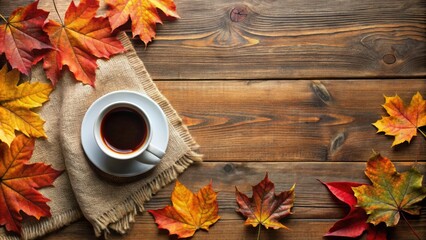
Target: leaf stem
(258, 232)
(57, 12)
(412, 229)
(3, 18)
(423, 133)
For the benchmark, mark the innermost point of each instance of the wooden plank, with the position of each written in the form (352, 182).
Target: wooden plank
(302, 120)
(315, 209)
(298, 131)
(284, 39)
(313, 199)
(145, 228)
(290, 39)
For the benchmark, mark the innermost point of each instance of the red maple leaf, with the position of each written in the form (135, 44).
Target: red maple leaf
(355, 223)
(21, 35)
(19, 182)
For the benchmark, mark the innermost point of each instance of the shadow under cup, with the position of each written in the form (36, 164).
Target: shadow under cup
(123, 132)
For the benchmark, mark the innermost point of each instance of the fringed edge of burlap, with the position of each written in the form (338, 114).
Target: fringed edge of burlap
(121, 216)
(56, 222)
(38, 229)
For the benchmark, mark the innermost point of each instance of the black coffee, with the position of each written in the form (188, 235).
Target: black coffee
(124, 130)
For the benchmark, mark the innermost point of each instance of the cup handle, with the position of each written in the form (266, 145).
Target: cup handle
(156, 151)
(152, 155)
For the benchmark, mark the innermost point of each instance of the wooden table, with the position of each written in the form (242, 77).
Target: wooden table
(285, 87)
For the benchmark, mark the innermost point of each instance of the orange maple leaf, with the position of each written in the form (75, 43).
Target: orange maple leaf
(403, 122)
(19, 182)
(21, 35)
(143, 13)
(189, 212)
(265, 207)
(79, 42)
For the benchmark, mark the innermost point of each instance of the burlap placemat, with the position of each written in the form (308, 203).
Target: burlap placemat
(64, 207)
(107, 205)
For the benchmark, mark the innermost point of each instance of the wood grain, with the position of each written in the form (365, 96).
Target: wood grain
(315, 209)
(290, 39)
(144, 228)
(285, 87)
(284, 39)
(303, 120)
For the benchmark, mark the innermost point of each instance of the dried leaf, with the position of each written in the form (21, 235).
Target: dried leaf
(391, 192)
(189, 212)
(79, 42)
(22, 34)
(403, 122)
(19, 182)
(16, 103)
(265, 207)
(143, 13)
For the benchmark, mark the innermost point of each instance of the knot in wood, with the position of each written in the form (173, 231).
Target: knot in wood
(228, 168)
(321, 92)
(238, 13)
(337, 142)
(389, 59)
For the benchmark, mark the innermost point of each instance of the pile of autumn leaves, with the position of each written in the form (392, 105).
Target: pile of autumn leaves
(82, 38)
(79, 39)
(74, 44)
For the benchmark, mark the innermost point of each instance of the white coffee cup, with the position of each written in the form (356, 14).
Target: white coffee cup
(117, 125)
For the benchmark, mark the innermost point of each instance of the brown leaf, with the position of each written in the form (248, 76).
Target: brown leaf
(265, 207)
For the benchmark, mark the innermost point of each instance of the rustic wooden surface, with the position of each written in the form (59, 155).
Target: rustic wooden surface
(285, 87)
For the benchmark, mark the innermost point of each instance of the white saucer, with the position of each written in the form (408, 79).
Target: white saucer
(113, 166)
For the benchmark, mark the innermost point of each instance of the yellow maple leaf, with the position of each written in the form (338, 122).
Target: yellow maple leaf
(16, 102)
